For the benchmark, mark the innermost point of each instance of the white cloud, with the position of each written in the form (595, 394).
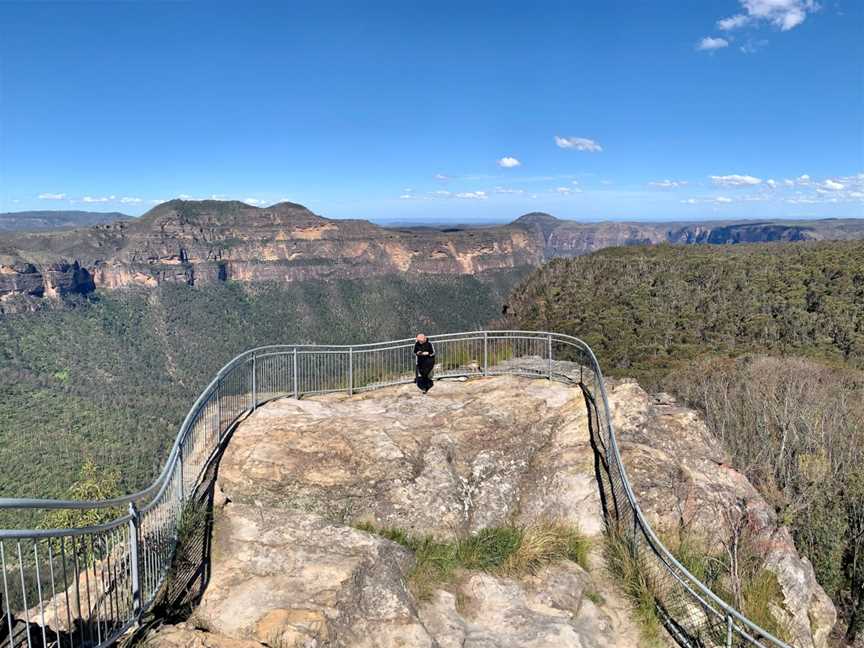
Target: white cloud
(566, 191)
(667, 184)
(771, 183)
(508, 190)
(508, 162)
(254, 201)
(441, 176)
(407, 196)
(803, 179)
(97, 199)
(578, 143)
(128, 200)
(442, 193)
(709, 44)
(735, 180)
(721, 200)
(832, 185)
(782, 14)
(52, 196)
(733, 22)
(472, 195)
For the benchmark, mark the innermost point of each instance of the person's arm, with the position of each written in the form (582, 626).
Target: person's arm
(416, 348)
(431, 349)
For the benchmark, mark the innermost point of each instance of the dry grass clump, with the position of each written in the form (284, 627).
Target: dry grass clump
(507, 550)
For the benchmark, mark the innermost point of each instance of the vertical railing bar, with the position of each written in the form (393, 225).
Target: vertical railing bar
(39, 591)
(294, 376)
(254, 382)
(6, 597)
(53, 589)
(95, 610)
(66, 591)
(350, 371)
(728, 630)
(133, 560)
(23, 595)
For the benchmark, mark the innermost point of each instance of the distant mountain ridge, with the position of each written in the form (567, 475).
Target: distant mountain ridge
(46, 220)
(211, 241)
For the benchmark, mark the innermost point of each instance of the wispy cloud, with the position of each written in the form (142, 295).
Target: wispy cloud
(130, 200)
(667, 184)
(782, 14)
(567, 191)
(441, 176)
(472, 195)
(52, 196)
(98, 199)
(508, 190)
(578, 143)
(709, 44)
(508, 162)
(735, 180)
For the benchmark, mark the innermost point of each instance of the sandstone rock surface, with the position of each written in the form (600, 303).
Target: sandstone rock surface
(290, 569)
(681, 475)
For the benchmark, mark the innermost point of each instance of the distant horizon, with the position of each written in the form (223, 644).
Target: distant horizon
(455, 221)
(408, 112)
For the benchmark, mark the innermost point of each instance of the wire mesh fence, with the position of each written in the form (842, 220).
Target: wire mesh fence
(84, 587)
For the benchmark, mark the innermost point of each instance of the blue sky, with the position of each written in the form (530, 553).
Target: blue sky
(436, 112)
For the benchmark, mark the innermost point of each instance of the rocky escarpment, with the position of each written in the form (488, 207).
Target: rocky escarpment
(205, 242)
(22, 284)
(568, 238)
(291, 568)
(210, 241)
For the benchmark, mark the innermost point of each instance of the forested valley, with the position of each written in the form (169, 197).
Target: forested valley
(768, 342)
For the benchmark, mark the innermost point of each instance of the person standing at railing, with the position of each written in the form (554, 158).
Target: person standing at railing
(425, 353)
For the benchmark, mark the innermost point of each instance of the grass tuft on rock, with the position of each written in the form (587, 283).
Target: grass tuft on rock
(623, 561)
(507, 550)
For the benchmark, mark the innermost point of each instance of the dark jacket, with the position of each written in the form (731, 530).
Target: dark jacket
(425, 346)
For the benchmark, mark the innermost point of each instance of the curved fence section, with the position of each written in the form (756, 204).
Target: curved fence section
(84, 587)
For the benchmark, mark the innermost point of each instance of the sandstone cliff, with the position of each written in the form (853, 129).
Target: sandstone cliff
(204, 242)
(291, 568)
(210, 241)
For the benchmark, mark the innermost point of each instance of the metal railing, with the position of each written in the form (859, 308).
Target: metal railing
(83, 587)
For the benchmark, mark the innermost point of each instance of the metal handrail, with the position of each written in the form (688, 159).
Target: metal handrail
(143, 539)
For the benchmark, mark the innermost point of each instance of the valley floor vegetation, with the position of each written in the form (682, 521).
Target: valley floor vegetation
(768, 342)
(106, 382)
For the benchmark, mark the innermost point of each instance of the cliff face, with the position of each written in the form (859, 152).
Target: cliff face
(568, 238)
(201, 242)
(210, 241)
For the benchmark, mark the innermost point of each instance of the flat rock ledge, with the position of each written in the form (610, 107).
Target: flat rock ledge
(290, 570)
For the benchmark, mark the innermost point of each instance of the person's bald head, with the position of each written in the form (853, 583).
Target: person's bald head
(421, 338)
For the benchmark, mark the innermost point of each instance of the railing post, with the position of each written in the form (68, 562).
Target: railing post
(254, 382)
(350, 371)
(549, 351)
(294, 374)
(182, 474)
(485, 353)
(728, 630)
(219, 408)
(134, 563)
